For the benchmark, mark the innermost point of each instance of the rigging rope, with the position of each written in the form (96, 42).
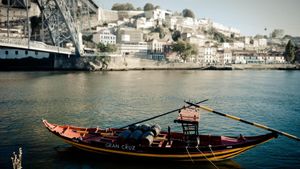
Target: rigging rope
(189, 154)
(211, 150)
(206, 157)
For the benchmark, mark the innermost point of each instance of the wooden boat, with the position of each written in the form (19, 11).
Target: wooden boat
(149, 142)
(105, 141)
(188, 145)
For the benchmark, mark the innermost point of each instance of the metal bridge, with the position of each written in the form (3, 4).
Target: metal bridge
(61, 18)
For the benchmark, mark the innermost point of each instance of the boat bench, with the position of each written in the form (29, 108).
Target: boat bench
(159, 140)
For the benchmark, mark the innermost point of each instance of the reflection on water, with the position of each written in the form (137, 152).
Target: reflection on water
(85, 160)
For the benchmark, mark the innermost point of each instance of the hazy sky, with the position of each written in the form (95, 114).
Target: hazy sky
(250, 16)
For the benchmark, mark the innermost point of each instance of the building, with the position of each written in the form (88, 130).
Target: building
(105, 37)
(156, 46)
(143, 23)
(186, 23)
(274, 58)
(226, 45)
(171, 21)
(238, 45)
(129, 35)
(227, 31)
(134, 49)
(156, 49)
(157, 14)
(224, 56)
(208, 55)
(198, 40)
(260, 43)
(246, 57)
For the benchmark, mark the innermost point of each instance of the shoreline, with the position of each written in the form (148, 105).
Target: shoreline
(200, 68)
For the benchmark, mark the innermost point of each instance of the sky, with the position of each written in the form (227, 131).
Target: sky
(251, 17)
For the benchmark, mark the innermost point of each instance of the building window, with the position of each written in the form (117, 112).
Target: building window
(6, 52)
(36, 53)
(26, 52)
(17, 52)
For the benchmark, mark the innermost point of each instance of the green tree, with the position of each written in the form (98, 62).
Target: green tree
(106, 48)
(161, 31)
(139, 9)
(148, 7)
(258, 36)
(176, 35)
(188, 13)
(104, 60)
(290, 52)
(277, 33)
(123, 7)
(184, 49)
(88, 38)
(219, 37)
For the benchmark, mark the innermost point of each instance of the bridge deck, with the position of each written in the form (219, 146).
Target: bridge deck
(33, 45)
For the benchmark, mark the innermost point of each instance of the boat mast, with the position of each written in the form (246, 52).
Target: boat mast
(151, 118)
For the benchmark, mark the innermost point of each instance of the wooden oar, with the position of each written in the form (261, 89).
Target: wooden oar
(151, 118)
(244, 121)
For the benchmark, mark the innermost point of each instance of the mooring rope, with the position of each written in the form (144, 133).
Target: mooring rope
(211, 150)
(189, 154)
(206, 157)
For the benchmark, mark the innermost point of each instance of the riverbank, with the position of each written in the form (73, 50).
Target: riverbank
(117, 64)
(61, 63)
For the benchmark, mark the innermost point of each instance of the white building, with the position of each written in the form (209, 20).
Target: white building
(156, 46)
(225, 56)
(144, 23)
(186, 22)
(247, 40)
(157, 14)
(238, 45)
(172, 21)
(134, 49)
(275, 59)
(129, 35)
(245, 56)
(209, 55)
(262, 42)
(227, 31)
(105, 37)
(226, 45)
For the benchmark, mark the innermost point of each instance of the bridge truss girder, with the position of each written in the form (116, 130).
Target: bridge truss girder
(60, 23)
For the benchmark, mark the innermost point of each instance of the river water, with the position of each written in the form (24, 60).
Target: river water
(113, 99)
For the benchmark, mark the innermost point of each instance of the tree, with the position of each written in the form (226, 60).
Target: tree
(188, 13)
(176, 35)
(219, 37)
(161, 32)
(277, 33)
(148, 7)
(106, 48)
(87, 38)
(104, 60)
(139, 9)
(258, 36)
(184, 49)
(123, 7)
(290, 52)
(157, 7)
